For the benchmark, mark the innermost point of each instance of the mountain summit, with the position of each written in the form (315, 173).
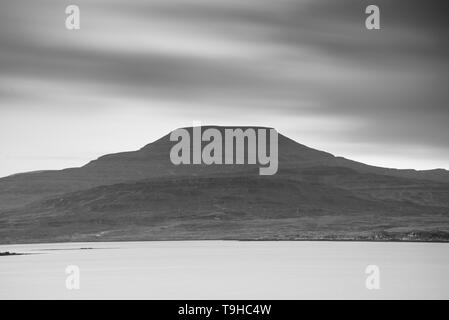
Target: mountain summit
(141, 195)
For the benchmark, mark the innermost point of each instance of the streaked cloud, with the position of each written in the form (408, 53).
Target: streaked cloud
(307, 67)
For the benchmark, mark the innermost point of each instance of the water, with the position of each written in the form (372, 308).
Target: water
(226, 270)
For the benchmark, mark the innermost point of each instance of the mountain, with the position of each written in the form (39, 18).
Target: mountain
(141, 195)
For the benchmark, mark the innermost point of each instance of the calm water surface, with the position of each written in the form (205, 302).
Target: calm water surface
(226, 270)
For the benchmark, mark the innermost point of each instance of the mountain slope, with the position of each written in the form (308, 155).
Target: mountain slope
(216, 208)
(141, 195)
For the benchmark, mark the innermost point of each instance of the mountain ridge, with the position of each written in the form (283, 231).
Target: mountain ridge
(135, 194)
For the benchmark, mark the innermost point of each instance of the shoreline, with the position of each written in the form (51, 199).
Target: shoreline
(218, 240)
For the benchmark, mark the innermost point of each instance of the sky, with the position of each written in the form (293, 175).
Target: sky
(138, 69)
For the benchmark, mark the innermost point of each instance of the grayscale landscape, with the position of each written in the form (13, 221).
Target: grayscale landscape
(354, 90)
(141, 195)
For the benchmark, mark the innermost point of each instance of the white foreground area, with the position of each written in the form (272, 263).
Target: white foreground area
(226, 270)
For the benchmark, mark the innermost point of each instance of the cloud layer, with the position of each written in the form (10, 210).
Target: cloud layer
(137, 69)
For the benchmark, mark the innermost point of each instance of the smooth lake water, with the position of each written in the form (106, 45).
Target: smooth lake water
(226, 270)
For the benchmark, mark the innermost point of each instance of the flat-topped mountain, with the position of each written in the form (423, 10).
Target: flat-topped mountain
(142, 195)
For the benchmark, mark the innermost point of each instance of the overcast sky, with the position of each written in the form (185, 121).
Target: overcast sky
(138, 69)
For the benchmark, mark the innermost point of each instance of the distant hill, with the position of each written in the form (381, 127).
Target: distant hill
(141, 195)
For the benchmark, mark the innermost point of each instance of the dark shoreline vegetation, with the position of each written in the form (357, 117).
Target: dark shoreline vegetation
(7, 253)
(441, 237)
(398, 237)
